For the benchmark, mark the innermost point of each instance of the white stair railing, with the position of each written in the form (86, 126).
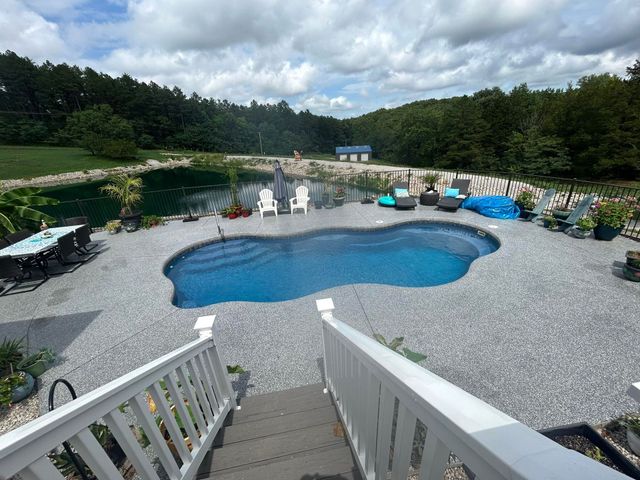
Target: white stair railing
(378, 391)
(195, 379)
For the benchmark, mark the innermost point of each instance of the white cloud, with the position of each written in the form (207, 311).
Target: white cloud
(321, 103)
(26, 32)
(339, 57)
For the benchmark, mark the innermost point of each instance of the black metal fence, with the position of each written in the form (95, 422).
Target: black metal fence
(204, 200)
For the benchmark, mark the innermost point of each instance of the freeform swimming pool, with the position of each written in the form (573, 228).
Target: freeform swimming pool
(276, 269)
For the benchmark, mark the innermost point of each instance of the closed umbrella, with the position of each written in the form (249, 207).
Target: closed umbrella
(280, 187)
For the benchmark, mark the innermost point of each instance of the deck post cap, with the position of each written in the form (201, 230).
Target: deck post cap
(204, 325)
(325, 305)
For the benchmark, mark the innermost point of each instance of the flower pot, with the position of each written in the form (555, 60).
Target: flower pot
(522, 208)
(132, 222)
(23, 391)
(561, 214)
(317, 204)
(245, 214)
(35, 369)
(631, 273)
(547, 224)
(113, 231)
(231, 216)
(634, 441)
(338, 201)
(326, 199)
(633, 258)
(605, 232)
(580, 233)
(429, 199)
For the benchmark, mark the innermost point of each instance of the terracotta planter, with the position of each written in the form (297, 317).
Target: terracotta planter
(605, 232)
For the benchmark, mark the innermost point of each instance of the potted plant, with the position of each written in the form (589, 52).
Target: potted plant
(127, 190)
(151, 221)
(430, 196)
(561, 213)
(633, 258)
(549, 222)
(583, 228)
(113, 226)
(338, 197)
(36, 364)
(11, 353)
(15, 387)
(525, 201)
(611, 216)
(246, 212)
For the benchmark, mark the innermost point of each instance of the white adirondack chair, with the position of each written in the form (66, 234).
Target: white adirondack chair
(267, 203)
(301, 200)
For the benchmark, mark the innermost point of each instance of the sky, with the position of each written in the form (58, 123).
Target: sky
(341, 58)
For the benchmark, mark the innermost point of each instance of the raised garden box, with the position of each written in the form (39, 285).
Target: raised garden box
(582, 438)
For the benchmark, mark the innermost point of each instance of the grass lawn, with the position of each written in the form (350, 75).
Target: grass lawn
(28, 162)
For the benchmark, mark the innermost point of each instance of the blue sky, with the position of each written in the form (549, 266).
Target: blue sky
(341, 58)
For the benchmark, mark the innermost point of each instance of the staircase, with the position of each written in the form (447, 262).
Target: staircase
(293, 434)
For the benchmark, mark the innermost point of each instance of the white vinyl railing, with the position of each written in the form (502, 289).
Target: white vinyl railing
(189, 379)
(380, 396)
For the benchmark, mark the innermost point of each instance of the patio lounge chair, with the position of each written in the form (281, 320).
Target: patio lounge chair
(540, 206)
(267, 203)
(400, 193)
(578, 212)
(453, 203)
(301, 200)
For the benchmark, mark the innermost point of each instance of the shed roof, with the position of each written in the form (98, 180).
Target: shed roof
(354, 149)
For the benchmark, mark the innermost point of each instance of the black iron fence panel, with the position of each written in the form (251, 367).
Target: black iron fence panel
(207, 199)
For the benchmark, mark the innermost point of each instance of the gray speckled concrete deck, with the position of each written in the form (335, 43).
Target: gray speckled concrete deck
(544, 329)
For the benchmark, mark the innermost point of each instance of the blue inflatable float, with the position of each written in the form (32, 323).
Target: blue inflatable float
(496, 206)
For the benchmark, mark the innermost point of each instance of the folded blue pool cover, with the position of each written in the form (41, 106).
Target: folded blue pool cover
(494, 206)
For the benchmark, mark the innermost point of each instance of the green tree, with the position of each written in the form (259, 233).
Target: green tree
(531, 152)
(16, 209)
(101, 132)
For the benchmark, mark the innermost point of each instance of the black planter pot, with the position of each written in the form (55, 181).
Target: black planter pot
(429, 199)
(605, 232)
(326, 199)
(521, 206)
(317, 204)
(131, 222)
(586, 431)
(633, 259)
(338, 201)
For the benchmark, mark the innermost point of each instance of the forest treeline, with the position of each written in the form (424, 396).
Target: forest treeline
(589, 130)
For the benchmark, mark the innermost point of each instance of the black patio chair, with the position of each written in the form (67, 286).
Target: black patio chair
(83, 239)
(453, 203)
(76, 221)
(11, 269)
(66, 253)
(17, 236)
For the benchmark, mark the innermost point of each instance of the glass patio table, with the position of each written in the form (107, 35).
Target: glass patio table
(37, 244)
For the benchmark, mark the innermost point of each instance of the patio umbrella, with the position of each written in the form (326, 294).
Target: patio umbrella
(280, 187)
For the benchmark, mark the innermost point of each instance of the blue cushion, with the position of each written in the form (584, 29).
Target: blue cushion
(401, 192)
(451, 192)
(387, 201)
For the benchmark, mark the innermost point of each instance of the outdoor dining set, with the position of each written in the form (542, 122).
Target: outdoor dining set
(23, 251)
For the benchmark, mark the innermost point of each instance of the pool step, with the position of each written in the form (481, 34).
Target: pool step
(292, 434)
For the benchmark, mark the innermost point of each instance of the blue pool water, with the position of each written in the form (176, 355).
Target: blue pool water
(277, 269)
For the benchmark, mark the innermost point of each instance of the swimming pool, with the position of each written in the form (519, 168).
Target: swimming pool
(276, 269)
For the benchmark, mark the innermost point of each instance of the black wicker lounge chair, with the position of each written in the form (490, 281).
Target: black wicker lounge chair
(402, 202)
(453, 203)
